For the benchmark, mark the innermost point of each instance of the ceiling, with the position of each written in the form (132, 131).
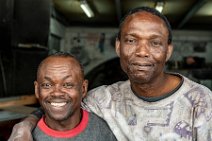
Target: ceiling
(182, 14)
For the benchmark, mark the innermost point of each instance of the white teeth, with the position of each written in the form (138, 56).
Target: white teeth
(58, 104)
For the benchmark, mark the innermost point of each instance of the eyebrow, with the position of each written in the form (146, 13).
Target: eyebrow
(152, 36)
(49, 79)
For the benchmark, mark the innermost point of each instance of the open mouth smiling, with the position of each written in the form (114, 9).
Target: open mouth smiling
(58, 104)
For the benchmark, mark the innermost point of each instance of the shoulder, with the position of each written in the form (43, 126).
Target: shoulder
(188, 85)
(109, 89)
(96, 119)
(100, 127)
(103, 95)
(191, 86)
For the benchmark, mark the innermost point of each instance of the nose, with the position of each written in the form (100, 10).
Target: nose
(57, 91)
(142, 49)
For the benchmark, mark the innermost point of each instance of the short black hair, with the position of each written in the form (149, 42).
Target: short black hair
(63, 54)
(149, 10)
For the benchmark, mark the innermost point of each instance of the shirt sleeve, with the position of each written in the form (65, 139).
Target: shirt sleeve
(203, 118)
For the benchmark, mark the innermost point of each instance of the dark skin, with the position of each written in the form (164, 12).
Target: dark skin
(60, 88)
(143, 50)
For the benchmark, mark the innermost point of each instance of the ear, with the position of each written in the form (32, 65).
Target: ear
(117, 47)
(84, 88)
(169, 52)
(36, 89)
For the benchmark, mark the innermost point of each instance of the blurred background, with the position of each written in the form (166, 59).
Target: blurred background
(31, 29)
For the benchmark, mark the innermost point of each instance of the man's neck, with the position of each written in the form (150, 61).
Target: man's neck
(64, 125)
(158, 88)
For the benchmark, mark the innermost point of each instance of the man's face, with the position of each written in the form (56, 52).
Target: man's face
(143, 47)
(60, 88)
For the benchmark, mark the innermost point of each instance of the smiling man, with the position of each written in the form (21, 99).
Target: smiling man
(60, 88)
(153, 105)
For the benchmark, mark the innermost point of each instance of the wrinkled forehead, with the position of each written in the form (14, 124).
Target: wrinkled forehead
(144, 16)
(142, 20)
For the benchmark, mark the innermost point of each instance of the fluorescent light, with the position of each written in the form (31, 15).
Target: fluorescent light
(86, 8)
(159, 6)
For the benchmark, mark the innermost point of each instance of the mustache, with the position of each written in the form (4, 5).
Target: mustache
(62, 96)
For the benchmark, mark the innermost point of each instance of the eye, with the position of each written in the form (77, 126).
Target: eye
(155, 43)
(46, 85)
(130, 40)
(68, 85)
